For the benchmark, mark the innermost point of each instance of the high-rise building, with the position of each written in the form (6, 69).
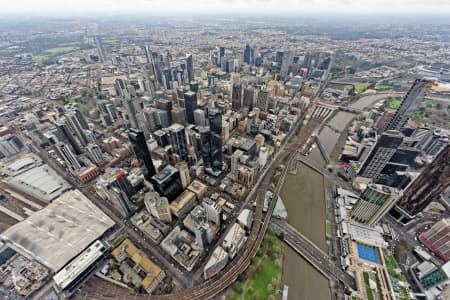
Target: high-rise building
(168, 183)
(68, 156)
(199, 117)
(131, 112)
(236, 96)
(183, 168)
(202, 230)
(380, 154)
(190, 102)
(78, 124)
(213, 211)
(215, 125)
(124, 184)
(249, 54)
(262, 101)
(286, 63)
(189, 67)
(428, 186)
(409, 104)
(158, 206)
(179, 115)
(63, 133)
(178, 140)
(248, 97)
(374, 203)
(205, 145)
(141, 151)
(95, 154)
(437, 239)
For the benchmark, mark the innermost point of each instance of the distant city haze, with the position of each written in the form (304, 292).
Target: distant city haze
(225, 6)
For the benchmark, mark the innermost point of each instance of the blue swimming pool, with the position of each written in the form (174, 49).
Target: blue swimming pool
(367, 253)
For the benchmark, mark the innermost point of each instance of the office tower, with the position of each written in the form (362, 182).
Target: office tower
(193, 86)
(248, 97)
(131, 112)
(162, 118)
(249, 54)
(236, 96)
(201, 228)
(190, 104)
(215, 125)
(199, 117)
(68, 156)
(380, 154)
(286, 64)
(221, 55)
(121, 202)
(409, 104)
(178, 140)
(78, 126)
(183, 168)
(189, 67)
(213, 211)
(158, 206)
(63, 133)
(437, 239)
(179, 115)
(142, 153)
(205, 145)
(167, 78)
(374, 203)
(95, 154)
(161, 137)
(168, 183)
(262, 101)
(124, 184)
(428, 186)
(235, 157)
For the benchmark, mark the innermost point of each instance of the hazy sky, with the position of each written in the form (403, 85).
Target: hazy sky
(217, 6)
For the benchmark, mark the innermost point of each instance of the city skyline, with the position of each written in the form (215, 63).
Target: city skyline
(367, 7)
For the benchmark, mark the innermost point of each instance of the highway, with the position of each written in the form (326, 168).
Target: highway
(313, 254)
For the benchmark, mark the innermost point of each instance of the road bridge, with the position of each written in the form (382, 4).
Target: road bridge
(313, 254)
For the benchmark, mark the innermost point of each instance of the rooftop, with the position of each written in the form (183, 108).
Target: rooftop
(59, 232)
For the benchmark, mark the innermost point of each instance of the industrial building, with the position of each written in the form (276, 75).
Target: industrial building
(57, 233)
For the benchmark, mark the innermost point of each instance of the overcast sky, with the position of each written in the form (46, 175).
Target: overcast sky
(217, 6)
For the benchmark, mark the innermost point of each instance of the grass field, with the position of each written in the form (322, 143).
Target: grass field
(394, 103)
(263, 276)
(383, 87)
(361, 87)
(61, 50)
(368, 289)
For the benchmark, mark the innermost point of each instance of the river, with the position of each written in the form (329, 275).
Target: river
(303, 196)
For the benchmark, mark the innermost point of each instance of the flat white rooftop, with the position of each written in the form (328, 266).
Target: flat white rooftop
(60, 231)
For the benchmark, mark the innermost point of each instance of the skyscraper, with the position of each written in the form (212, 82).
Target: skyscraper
(190, 102)
(263, 100)
(215, 124)
(249, 54)
(168, 183)
(236, 96)
(380, 154)
(286, 63)
(141, 151)
(205, 145)
(410, 103)
(178, 140)
(183, 168)
(428, 186)
(189, 67)
(248, 97)
(158, 206)
(68, 156)
(374, 203)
